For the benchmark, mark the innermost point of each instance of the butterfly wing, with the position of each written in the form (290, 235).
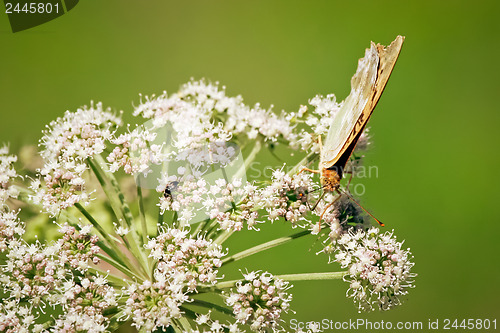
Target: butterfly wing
(366, 87)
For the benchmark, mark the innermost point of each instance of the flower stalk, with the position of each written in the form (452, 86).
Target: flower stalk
(264, 246)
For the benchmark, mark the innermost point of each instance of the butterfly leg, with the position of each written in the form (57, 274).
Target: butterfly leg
(320, 149)
(320, 144)
(317, 202)
(310, 170)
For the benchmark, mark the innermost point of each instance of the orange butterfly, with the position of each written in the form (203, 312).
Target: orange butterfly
(366, 87)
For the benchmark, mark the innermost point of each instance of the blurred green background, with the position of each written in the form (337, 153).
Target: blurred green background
(435, 129)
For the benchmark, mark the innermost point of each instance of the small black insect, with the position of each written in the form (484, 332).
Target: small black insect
(171, 187)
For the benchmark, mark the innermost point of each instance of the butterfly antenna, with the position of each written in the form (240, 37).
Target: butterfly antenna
(350, 179)
(357, 203)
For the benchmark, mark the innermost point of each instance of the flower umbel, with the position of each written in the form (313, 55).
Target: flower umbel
(259, 301)
(126, 254)
(379, 269)
(195, 259)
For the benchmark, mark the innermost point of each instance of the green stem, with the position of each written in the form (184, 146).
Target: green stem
(110, 252)
(149, 260)
(199, 228)
(112, 189)
(114, 324)
(210, 305)
(141, 212)
(175, 218)
(160, 218)
(113, 279)
(264, 246)
(312, 276)
(249, 159)
(96, 224)
(291, 277)
(108, 190)
(175, 325)
(71, 220)
(121, 268)
(213, 228)
(227, 284)
(223, 236)
(120, 207)
(206, 226)
(113, 251)
(184, 323)
(189, 313)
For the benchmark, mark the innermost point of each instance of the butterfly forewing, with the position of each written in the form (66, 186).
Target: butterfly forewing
(366, 87)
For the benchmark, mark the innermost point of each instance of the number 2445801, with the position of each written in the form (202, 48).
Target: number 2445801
(470, 324)
(31, 8)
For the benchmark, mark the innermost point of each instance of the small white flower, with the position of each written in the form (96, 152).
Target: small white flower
(85, 230)
(122, 231)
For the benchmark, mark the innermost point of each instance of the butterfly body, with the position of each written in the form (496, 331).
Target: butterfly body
(330, 180)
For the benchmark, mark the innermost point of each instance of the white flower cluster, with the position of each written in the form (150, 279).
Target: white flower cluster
(135, 152)
(318, 121)
(195, 138)
(259, 301)
(79, 135)
(194, 260)
(17, 318)
(192, 143)
(153, 304)
(43, 275)
(198, 122)
(11, 228)
(31, 272)
(379, 270)
(214, 326)
(77, 247)
(232, 204)
(7, 174)
(183, 264)
(63, 186)
(85, 302)
(287, 196)
(202, 106)
(67, 143)
(229, 203)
